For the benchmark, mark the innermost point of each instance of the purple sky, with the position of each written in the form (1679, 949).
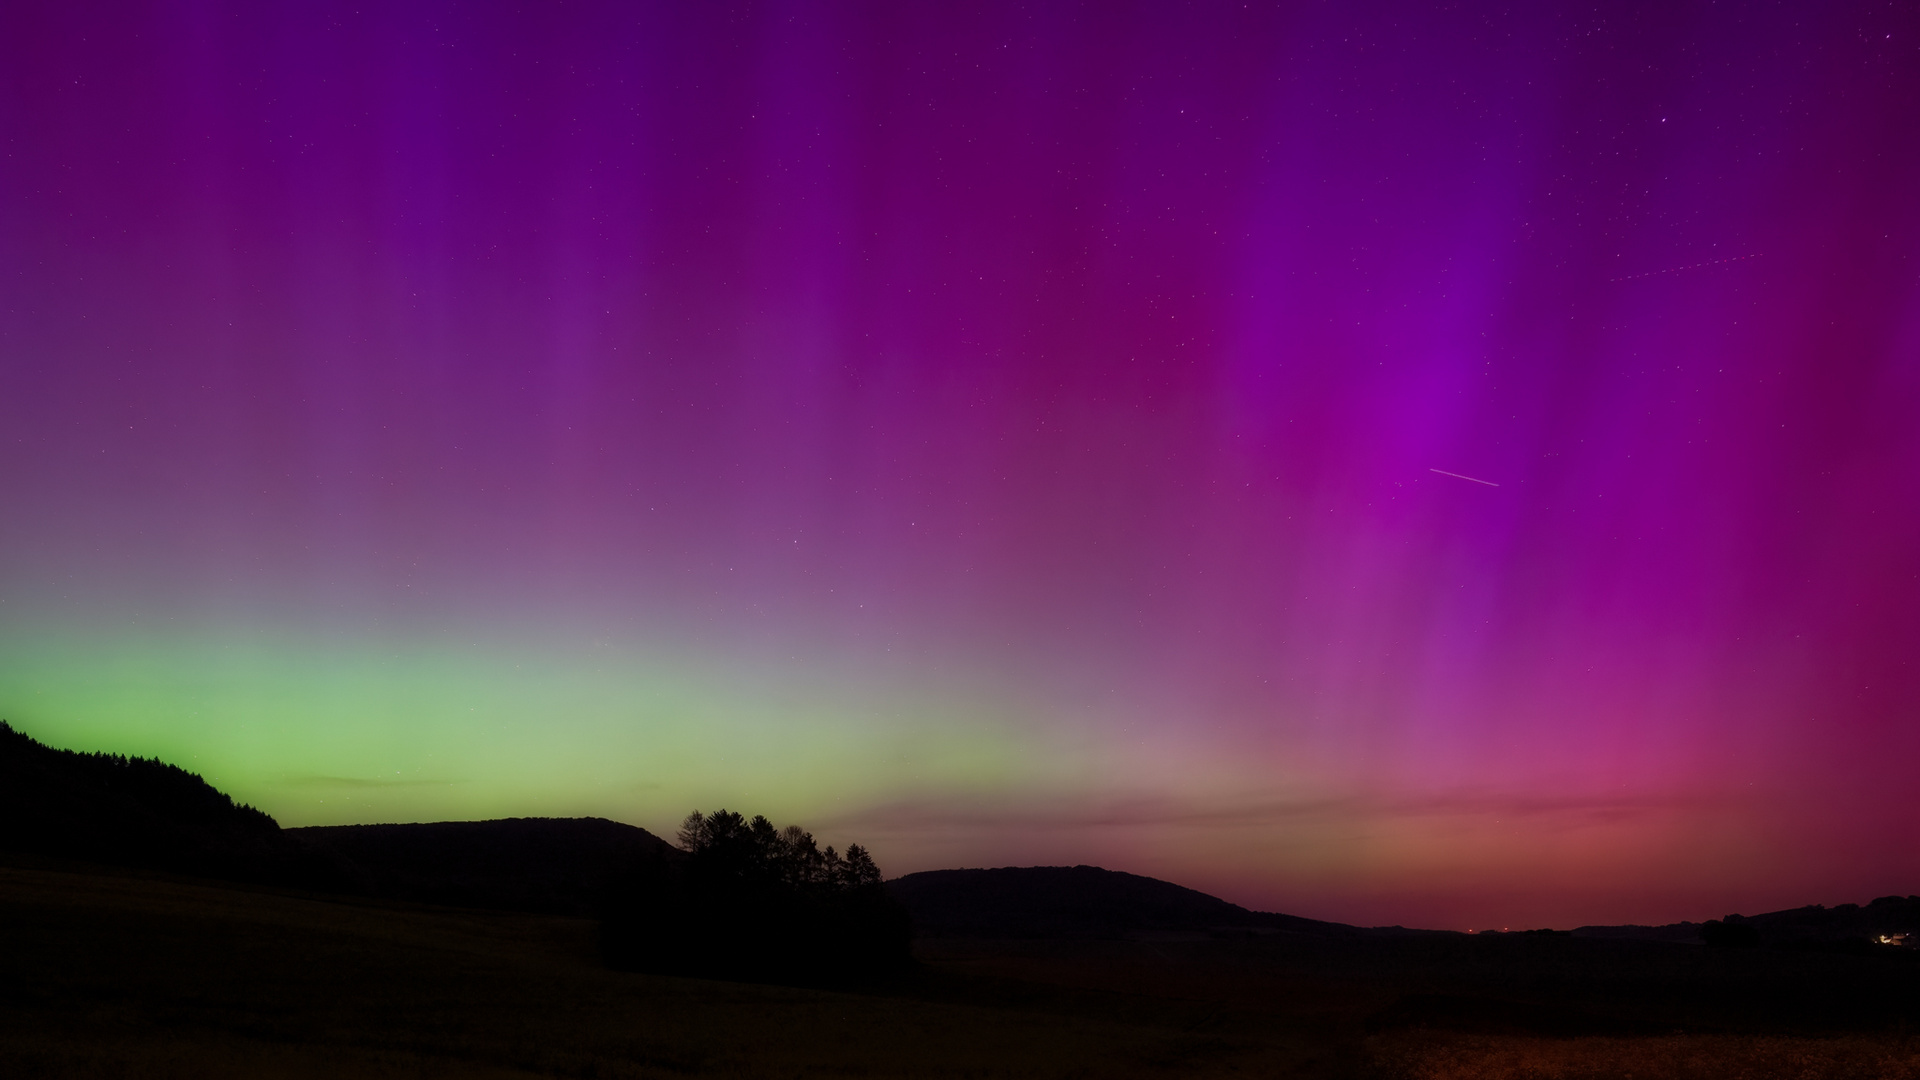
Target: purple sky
(1037, 433)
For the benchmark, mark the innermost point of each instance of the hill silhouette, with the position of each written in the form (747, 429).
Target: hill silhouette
(139, 812)
(1843, 927)
(144, 813)
(1076, 902)
(1816, 925)
(1090, 902)
(554, 866)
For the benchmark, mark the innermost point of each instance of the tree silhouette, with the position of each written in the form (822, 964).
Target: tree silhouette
(133, 811)
(1733, 932)
(752, 901)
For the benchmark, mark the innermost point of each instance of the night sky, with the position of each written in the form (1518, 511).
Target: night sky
(1389, 464)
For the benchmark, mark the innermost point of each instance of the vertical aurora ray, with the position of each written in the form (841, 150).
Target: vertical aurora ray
(1007, 437)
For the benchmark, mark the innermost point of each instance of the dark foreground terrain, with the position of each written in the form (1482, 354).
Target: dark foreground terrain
(131, 974)
(151, 927)
(107, 973)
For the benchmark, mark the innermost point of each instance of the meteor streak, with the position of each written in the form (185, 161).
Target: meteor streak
(1457, 476)
(1691, 266)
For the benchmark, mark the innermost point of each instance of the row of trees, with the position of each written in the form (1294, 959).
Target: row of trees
(755, 851)
(752, 901)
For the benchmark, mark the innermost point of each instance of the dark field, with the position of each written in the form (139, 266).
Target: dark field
(113, 974)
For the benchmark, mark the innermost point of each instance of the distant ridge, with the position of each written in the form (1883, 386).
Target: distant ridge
(558, 866)
(1076, 901)
(1843, 926)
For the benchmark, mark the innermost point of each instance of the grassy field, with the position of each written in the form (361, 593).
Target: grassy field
(121, 975)
(1433, 1056)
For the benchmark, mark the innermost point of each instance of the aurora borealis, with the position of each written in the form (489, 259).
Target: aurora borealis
(1026, 434)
